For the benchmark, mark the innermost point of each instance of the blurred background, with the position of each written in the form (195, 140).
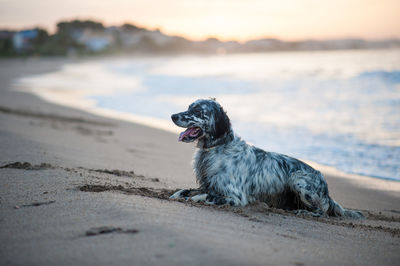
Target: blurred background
(51, 27)
(319, 80)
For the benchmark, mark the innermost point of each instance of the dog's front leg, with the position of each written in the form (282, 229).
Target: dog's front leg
(196, 195)
(185, 194)
(203, 197)
(215, 199)
(208, 199)
(200, 198)
(191, 194)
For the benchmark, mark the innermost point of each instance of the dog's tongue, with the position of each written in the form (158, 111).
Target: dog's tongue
(185, 133)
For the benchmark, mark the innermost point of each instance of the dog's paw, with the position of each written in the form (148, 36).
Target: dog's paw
(353, 214)
(308, 213)
(180, 194)
(199, 198)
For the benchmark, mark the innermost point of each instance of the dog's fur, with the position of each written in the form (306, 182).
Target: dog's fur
(230, 171)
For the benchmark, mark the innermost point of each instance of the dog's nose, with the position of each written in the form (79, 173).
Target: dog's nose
(174, 117)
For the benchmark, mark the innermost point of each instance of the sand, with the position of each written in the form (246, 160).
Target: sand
(79, 189)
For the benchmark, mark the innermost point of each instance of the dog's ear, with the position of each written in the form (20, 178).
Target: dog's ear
(222, 123)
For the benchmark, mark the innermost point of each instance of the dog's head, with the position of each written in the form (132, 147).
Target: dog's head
(206, 121)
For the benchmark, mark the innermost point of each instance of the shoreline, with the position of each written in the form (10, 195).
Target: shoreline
(86, 172)
(86, 106)
(77, 101)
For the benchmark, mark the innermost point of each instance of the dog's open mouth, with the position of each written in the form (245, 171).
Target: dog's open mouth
(190, 134)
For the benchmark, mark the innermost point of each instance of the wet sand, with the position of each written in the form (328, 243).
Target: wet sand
(76, 188)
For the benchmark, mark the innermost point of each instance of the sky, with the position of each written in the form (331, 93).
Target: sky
(224, 19)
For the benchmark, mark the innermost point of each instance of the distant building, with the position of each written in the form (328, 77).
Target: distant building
(130, 39)
(158, 37)
(133, 38)
(94, 40)
(22, 40)
(262, 45)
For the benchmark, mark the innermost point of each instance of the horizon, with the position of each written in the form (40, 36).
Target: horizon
(235, 20)
(53, 31)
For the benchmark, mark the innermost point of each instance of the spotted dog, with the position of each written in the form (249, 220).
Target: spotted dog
(230, 171)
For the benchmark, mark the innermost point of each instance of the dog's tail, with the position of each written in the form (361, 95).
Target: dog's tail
(336, 210)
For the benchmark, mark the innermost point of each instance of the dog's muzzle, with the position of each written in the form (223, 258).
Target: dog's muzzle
(190, 134)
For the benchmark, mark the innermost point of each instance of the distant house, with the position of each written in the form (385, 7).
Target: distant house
(267, 44)
(22, 40)
(132, 38)
(94, 40)
(158, 37)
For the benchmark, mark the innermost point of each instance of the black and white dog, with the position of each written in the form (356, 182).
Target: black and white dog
(230, 171)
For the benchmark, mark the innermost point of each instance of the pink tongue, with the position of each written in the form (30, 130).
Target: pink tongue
(185, 133)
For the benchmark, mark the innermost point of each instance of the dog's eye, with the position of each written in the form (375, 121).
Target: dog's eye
(197, 112)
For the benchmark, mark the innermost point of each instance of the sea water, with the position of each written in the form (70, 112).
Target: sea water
(338, 108)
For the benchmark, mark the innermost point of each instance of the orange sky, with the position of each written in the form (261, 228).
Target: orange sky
(224, 19)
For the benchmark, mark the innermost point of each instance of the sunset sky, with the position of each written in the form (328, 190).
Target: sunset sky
(225, 19)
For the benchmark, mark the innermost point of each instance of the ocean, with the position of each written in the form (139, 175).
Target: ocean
(337, 108)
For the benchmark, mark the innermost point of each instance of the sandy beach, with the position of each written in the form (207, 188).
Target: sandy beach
(80, 189)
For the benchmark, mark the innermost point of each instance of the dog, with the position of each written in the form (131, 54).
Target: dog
(230, 171)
